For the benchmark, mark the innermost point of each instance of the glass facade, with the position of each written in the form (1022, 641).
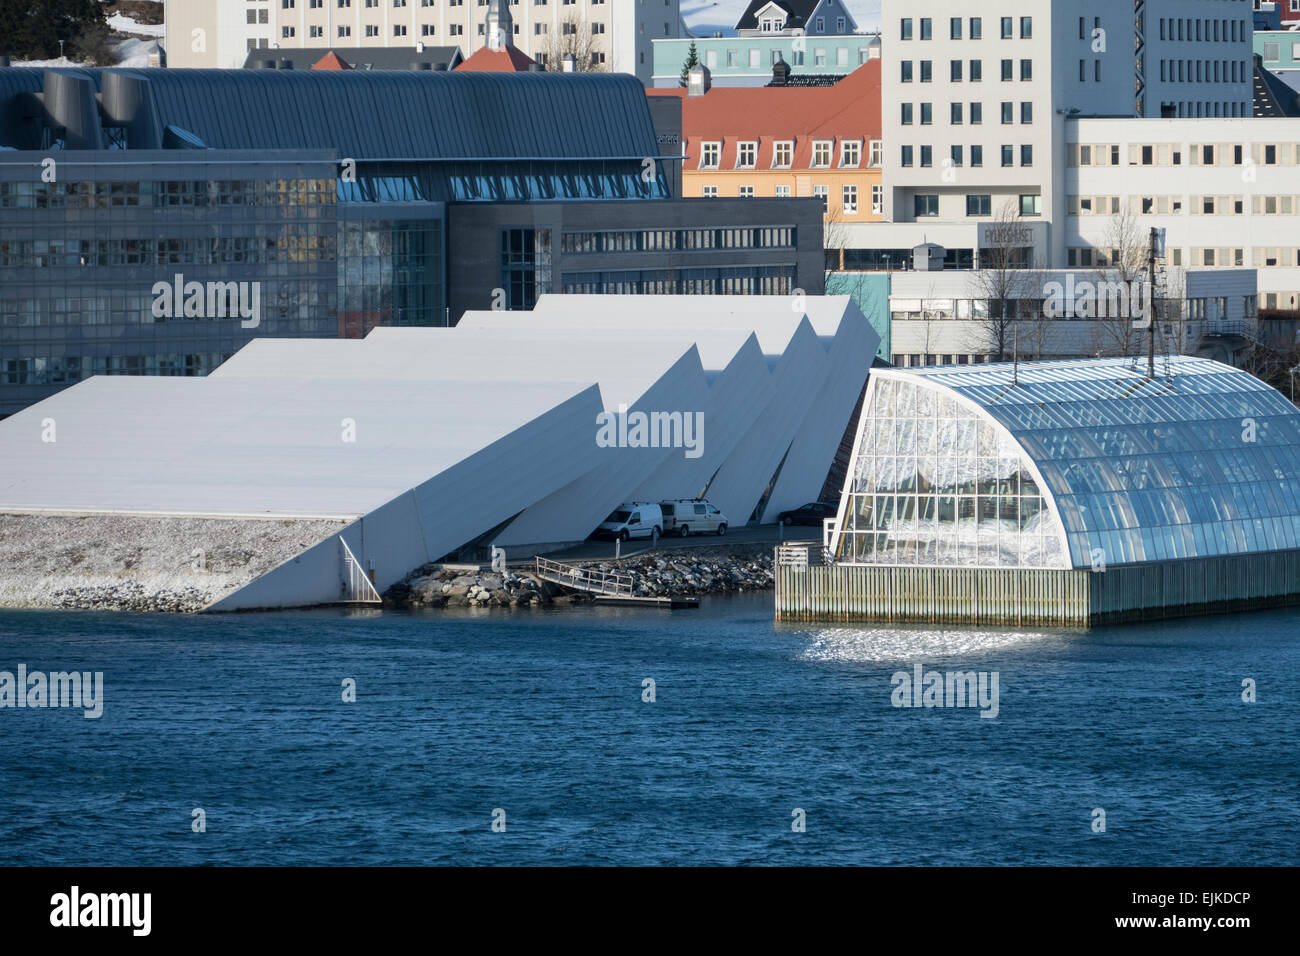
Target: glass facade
(81, 258)
(721, 280)
(937, 483)
(1202, 460)
(525, 266)
(390, 273)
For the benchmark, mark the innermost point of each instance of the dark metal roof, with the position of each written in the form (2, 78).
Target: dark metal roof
(359, 58)
(389, 114)
(1273, 97)
(797, 12)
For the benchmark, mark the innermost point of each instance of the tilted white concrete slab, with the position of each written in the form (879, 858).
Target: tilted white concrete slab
(843, 331)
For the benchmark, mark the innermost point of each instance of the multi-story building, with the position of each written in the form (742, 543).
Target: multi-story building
(978, 104)
(1286, 11)
(1279, 53)
(787, 141)
(813, 18)
(748, 61)
(613, 35)
(148, 228)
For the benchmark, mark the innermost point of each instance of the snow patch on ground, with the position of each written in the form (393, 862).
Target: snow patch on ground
(121, 23)
(130, 562)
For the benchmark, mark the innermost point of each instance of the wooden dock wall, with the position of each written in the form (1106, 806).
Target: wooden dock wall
(1043, 598)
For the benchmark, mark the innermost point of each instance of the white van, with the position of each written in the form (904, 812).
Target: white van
(633, 519)
(692, 516)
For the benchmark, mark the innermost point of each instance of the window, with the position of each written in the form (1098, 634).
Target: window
(955, 154)
(927, 114)
(1026, 28)
(710, 192)
(877, 199)
(877, 153)
(822, 153)
(905, 29)
(1026, 70)
(979, 205)
(976, 114)
(782, 192)
(927, 157)
(746, 153)
(822, 193)
(925, 204)
(954, 71)
(976, 71)
(1008, 114)
(1031, 205)
(905, 71)
(1007, 24)
(1026, 113)
(746, 192)
(850, 199)
(905, 156)
(782, 154)
(709, 153)
(977, 155)
(1008, 71)
(926, 71)
(955, 114)
(977, 28)
(1026, 155)
(1008, 155)
(927, 28)
(851, 153)
(954, 28)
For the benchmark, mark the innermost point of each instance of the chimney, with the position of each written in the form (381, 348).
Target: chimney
(423, 65)
(570, 64)
(781, 73)
(419, 47)
(286, 63)
(697, 80)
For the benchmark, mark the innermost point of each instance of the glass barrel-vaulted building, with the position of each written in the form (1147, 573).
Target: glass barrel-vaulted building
(1067, 492)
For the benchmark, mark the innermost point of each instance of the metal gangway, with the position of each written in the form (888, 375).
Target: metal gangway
(614, 584)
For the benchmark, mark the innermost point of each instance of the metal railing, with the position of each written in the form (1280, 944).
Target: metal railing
(356, 586)
(615, 583)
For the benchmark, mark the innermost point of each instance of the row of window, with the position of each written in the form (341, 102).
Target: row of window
(908, 156)
(753, 57)
(1177, 205)
(746, 280)
(974, 28)
(52, 253)
(673, 240)
(849, 195)
(925, 205)
(1197, 29)
(925, 70)
(89, 194)
(69, 369)
(1204, 71)
(957, 113)
(1174, 154)
(1261, 257)
(782, 154)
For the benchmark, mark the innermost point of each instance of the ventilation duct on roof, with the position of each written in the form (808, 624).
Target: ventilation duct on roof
(127, 102)
(70, 106)
(286, 64)
(426, 65)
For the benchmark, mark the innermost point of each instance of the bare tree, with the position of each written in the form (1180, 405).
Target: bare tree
(574, 39)
(1010, 288)
(1123, 259)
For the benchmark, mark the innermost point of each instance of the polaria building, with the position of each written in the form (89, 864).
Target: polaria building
(1066, 492)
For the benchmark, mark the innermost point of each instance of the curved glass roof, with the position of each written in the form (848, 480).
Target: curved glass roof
(1202, 460)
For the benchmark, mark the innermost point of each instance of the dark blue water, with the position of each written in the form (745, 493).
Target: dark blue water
(540, 714)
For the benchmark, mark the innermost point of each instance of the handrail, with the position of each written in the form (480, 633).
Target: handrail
(357, 586)
(586, 579)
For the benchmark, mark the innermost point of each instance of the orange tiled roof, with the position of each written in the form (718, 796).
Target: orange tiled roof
(331, 61)
(850, 109)
(509, 60)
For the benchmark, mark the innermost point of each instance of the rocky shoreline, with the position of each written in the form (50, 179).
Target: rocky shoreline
(681, 573)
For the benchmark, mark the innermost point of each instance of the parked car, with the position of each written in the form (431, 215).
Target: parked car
(812, 513)
(685, 516)
(633, 519)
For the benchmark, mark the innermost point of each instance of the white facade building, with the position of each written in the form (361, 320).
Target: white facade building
(977, 105)
(220, 33)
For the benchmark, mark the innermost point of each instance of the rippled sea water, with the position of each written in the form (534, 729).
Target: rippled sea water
(540, 714)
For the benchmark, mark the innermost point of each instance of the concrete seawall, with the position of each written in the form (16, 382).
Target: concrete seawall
(141, 563)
